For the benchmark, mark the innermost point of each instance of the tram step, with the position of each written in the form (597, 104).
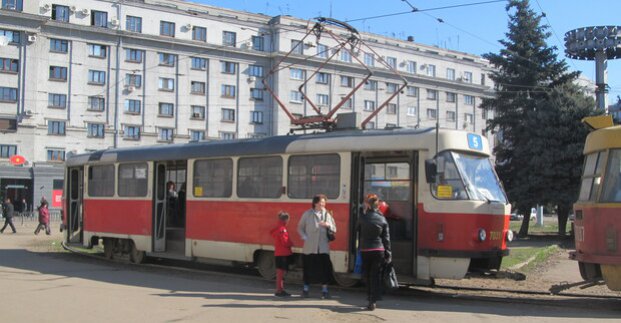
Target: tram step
(175, 246)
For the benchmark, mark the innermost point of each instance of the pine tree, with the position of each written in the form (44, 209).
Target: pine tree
(535, 103)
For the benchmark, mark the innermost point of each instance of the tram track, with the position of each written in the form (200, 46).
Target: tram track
(484, 294)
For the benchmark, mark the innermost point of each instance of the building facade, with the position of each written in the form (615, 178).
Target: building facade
(86, 75)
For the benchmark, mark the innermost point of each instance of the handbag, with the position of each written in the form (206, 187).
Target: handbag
(389, 277)
(329, 233)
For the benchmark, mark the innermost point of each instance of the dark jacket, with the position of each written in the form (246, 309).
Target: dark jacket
(8, 210)
(373, 230)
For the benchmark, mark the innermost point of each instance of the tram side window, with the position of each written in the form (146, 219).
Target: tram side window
(591, 176)
(612, 181)
(101, 180)
(311, 175)
(213, 178)
(259, 177)
(133, 180)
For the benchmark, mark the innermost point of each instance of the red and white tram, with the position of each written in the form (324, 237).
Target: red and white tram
(442, 224)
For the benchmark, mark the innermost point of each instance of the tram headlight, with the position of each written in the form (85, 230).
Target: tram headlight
(482, 235)
(509, 235)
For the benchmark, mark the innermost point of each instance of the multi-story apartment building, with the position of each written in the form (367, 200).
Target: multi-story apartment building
(92, 74)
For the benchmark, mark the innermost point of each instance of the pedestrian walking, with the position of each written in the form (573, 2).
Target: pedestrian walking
(282, 252)
(314, 227)
(44, 218)
(8, 212)
(374, 247)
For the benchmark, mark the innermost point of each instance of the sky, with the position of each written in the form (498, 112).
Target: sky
(472, 29)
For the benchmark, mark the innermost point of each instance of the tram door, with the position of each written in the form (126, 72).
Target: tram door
(392, 176)
(74, 205)
(169, 207)
(160, 206)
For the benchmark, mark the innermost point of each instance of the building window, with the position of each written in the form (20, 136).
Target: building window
(96, 103)
(295, 97)
(322, 78)
(411, 67)
(56, 128)
(391, 108)
(468, 99)
(199, 33)
(450, 116)
(345, 56)
(131, 132)
(133, 24)
(134, 80)
(256, 94)
(8, 94)
(96, 77)
(95, 130)
(450, 74)
(431, 70)
(226, 135)
(166, 84)
(469, 118)
(432, 95)
(296, 74)
(59, 45)
(197, 135)
(297, 47)
(132, 106)
(57, 101)
(258, 43)
(392, 62)
(60, 13)
(229, 67)
(16, 5)
(167, 59)
(7, 151)
(347, 81)
(133, 55)
(411, 111)
(97, 50)
(482, 79)
(323, 100)
(99, 18)
(450, 97)
(58, 73)
(412, 91)
(259, 177)
(9, 65)
(197, 87)
(55, 155)
(391, 87)
(369, 59)
(198, 112)
(13, 36)
(322, 51)
(228, 115)
(229, 38)
(370, 85)
(468, 77)
(165, 134)
(199, 63)
(255, 70)
(349, 104)
(167, 28)
(166, 109)
(369, 105)
(256, 117)
(228, 91)
(432, 114)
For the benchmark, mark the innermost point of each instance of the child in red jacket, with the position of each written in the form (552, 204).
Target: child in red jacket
(282, 251)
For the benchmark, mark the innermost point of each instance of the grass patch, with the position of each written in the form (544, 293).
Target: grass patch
(538, 255)
(550, 226)
(541, 257)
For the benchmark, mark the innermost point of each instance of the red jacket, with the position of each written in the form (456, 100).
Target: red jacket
(282, 243)
(44, 215)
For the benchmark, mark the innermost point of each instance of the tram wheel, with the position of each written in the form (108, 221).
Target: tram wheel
(345, 280)
(589, 271)
(108, 244)
(266, 264)
(136, 256)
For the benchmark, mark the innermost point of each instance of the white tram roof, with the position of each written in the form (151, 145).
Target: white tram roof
(337, 141)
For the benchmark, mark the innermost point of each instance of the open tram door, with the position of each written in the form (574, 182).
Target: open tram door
(74, 205)
(392, 176)
(169, 207)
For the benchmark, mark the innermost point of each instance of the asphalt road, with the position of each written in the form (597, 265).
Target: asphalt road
(40, 284)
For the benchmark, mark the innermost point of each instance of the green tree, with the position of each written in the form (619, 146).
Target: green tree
(531, 83)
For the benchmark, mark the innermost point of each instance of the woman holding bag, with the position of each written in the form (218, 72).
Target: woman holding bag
(313, 229)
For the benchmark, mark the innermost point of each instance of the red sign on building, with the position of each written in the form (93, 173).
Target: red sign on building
(17, 160)
(57, 198)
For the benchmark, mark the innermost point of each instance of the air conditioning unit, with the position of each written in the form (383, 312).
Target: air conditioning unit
(249, 45)
(196, 115)
(130, 88)
(46, 7)
(114, 22)
(32, 38)
(85, 12)
(73, 8)
(251, 79)
(309, 45)
(188, 27)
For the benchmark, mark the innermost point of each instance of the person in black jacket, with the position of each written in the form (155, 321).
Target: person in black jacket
(8, 215)
(374, 247)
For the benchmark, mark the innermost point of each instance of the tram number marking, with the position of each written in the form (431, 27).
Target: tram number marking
(475, 142)
(579, 233)
(495, 235)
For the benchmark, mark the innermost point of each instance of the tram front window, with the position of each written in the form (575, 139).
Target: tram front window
(612, 179)
(467, 177)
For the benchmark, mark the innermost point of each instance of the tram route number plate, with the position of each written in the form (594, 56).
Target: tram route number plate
(495, 235)
(475, 142)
